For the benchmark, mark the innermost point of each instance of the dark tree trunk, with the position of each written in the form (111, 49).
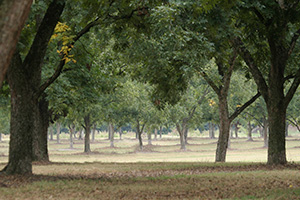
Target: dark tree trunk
(287, 129)
(40, 133)
(249, 132)
(22, 121)
(111, 132)
(13, 14)
(276, 122)
(57, 132)
(139, 131)
(87, 128)
(24, 79)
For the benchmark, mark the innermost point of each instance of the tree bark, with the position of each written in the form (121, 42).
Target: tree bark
(181, 131)
(155, 134)
(40, 132)
(120, 133)
(160, 131)
(149, 138)
(87, 128)
(211, 130)
(13, 14)
(249, 132)
(186, 132)
(51, 132)
(72, 133)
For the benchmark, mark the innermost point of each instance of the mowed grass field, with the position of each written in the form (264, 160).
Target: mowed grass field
(160, 171)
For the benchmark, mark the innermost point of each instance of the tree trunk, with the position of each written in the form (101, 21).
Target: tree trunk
(236, 130)
(224, 130)
(72, 133)
(149, 138)
(160, 132)
(87, 127)
(57, 132)
(287, 129)
(22, 121)
(51, 132)
(80, 136)
(186, 131)
(155, 134)
(40, 133)
(249, 132)
(276, 122)
(111, 134)
(265, 132)
(181, 131)
(13, 14)
(211, 130)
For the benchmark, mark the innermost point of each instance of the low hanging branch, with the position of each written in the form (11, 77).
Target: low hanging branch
(62, 62)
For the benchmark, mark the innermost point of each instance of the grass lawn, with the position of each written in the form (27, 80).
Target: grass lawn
(160, 171)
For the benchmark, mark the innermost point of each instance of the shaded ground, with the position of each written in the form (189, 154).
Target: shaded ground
(154, 181)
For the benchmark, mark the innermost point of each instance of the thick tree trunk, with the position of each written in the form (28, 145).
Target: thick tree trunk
(224, 130)
(186, 131)
(57, 132)
(13, 14)
(40, 133)
(276, 122)
(87, 128)
(22, 121)
(249, 132)
(111, 134)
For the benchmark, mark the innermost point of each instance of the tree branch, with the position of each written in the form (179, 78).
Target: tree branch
(293, 42)
(243, 107)
(292, 89)
(62, 62)
(210, 82)
(256, 73)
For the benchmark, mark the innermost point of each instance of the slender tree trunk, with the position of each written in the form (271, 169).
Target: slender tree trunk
(72, 133)
(224, 130)
(160, 131)
(249, 132)
(111, 134)
(155, 134)
(57, 132)
(149, 138)
(87, 127)
(236, 130)
(51, 133)
(211, 130)
(80, 136)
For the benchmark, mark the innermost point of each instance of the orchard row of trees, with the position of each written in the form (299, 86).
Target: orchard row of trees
(76, 58)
